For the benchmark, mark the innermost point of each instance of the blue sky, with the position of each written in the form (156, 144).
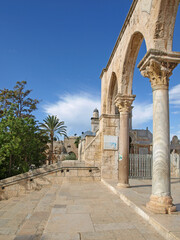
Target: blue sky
(60, 48)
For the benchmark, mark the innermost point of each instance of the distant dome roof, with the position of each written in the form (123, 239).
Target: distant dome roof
(87, 133)
(175, 139)
(95, 110)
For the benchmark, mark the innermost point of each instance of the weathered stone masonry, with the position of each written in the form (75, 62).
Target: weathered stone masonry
(152, 21)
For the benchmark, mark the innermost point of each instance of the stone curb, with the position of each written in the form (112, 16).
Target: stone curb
(164, 232)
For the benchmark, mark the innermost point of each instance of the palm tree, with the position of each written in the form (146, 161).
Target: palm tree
(52, 125)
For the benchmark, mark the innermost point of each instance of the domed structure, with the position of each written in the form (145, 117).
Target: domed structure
(175, 140)
(95, 113)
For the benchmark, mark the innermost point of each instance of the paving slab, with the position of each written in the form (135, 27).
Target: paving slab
(138, 195)
(92, 212)
(61, 236)
(75, 211)
(16, 212)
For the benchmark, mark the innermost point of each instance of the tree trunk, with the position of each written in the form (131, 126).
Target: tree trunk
(51, 150)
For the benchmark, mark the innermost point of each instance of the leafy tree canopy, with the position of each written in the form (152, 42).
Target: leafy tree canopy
(17, 100)
(21, 145)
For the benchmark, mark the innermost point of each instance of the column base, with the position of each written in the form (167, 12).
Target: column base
(162, 205)
(123, 185)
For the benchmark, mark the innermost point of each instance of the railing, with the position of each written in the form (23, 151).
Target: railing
(140, 166)
(31, 175)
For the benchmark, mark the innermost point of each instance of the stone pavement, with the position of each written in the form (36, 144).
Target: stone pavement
(72, 211)
(138, 195)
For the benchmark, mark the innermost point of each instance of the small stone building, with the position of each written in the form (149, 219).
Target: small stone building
(175, 145)
(140, 141)
(64, 148)
(90, 147)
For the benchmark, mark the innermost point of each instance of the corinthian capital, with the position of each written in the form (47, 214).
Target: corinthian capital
(158, 67)
(124, 102)
(158, 73)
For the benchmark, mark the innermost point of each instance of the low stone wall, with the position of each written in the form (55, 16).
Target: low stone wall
(92, 153)
(175, 165)
(56, 173)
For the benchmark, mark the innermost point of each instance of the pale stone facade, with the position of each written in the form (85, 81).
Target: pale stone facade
(63, 148)
(175, 145)
(70, 145)
(175, 156)
(140, 141)
(154, 22)
(175, 165)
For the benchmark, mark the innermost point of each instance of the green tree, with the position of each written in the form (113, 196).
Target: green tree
(52, 126)
(77, 141)
(71, 156)
(18, 99)
(22, 144)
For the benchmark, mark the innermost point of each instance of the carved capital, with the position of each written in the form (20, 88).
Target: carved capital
(124, 102)
(159, 72)
(158, 67)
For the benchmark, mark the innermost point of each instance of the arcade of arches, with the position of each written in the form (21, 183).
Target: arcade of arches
(152, 21)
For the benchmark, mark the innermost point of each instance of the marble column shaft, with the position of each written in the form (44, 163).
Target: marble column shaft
(123, 165)
(124, 102)
(161, 150)
(159, 72)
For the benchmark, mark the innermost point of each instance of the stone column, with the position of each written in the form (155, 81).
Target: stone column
(124, 102)
(158, 70)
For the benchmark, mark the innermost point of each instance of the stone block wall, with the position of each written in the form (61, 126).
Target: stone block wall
(53, 174)
(109, 125)
(92, 151)
(70, 145)
(175, 165)
(92, 148)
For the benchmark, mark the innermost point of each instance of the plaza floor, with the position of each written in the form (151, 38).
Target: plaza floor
(78, 211)
(139, 194)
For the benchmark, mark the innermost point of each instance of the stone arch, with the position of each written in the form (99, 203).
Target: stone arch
(129, 62)
(153, 21)
(164, 28)
(132, 136)
(112, 92)
(132, 140)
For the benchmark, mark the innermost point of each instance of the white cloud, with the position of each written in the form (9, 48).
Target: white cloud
(174, 95)
(176, 112)
(75, 110)
(142, 113)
